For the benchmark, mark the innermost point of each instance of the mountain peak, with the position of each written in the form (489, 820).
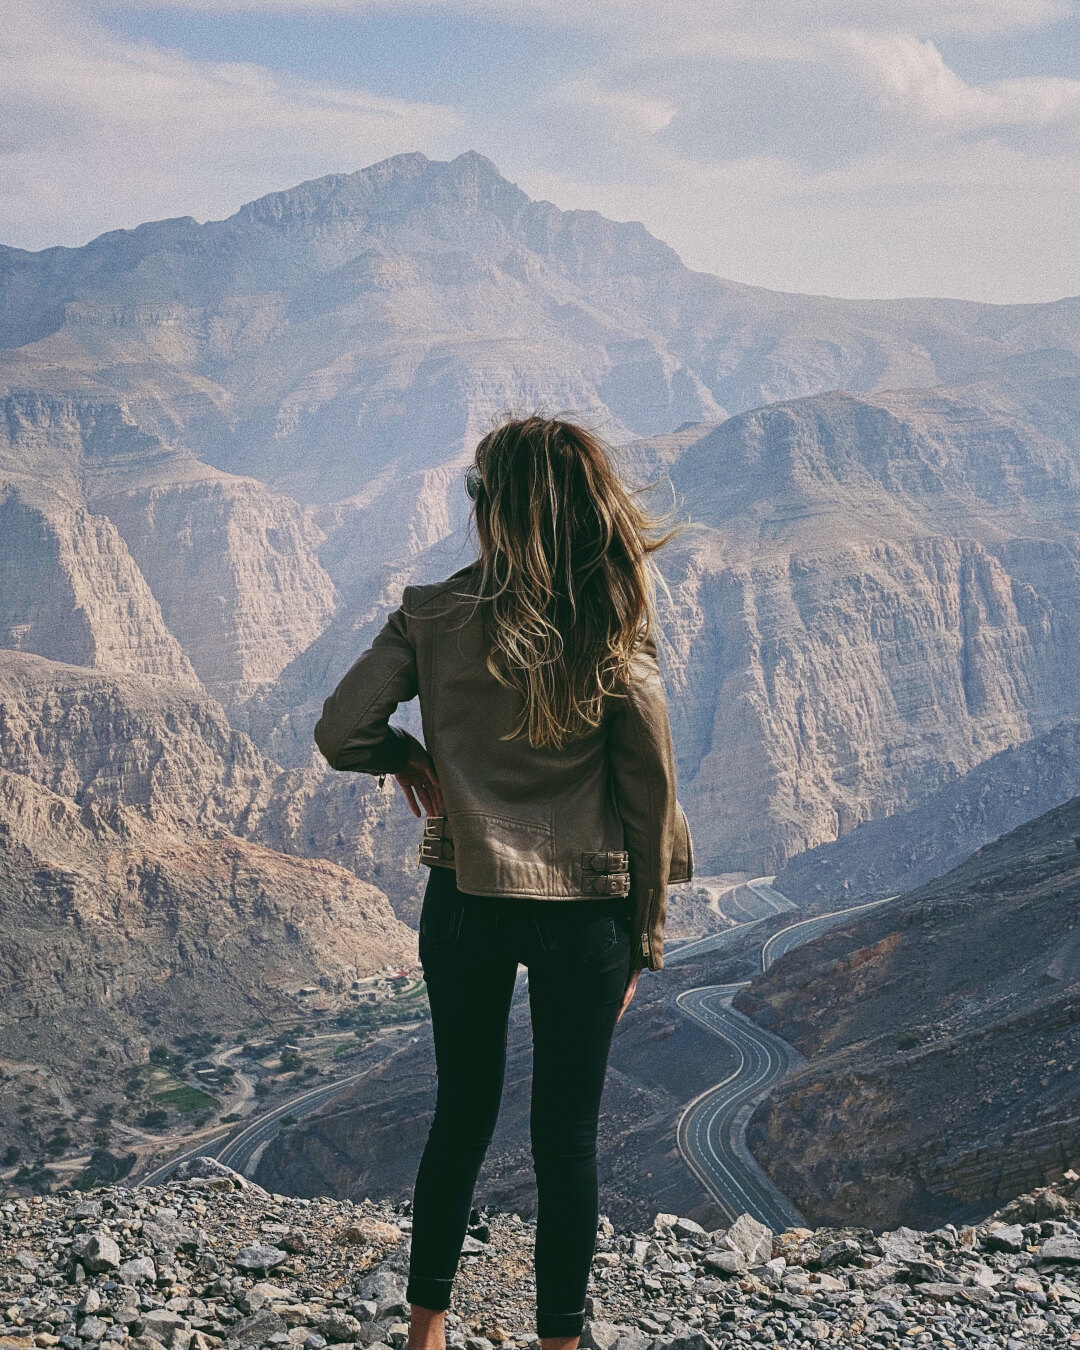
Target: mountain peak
(389, 190)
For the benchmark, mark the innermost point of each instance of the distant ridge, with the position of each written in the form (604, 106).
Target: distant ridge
(904, 850)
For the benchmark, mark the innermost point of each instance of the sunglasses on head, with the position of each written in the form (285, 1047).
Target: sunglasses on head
(473, 482)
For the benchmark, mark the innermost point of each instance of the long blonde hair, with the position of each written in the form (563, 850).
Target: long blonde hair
(567, 576)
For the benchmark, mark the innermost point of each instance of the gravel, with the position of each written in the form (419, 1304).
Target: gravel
(212, 1262)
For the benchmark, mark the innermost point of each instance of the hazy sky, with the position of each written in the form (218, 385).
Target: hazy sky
(846, 147)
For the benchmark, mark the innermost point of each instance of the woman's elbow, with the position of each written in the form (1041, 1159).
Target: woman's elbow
(328, 745)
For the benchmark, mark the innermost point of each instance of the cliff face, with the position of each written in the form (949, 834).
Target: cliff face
(69, 590)
(228, 924)
(877, 599)
(235, 571)
(879, 596)
(113, 924)
(168, 751)
(125, 551)
(225, 449)
(136, 900)
(876, 596)
(329, 330)
(943, 1040)
(165, 749)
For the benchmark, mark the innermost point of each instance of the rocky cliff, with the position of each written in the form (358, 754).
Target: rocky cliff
(124, 551)
(876, 596)
(136, 903)
(879, 596)
(263, 421)
(70, 590)
(942, 1036)
(324, 333)
(165, 749)
(235, 571)
(225, 448)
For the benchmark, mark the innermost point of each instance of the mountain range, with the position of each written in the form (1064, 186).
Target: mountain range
(225, 447)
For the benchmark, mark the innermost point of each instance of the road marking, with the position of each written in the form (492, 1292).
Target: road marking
(711, 1129)
(766, 960)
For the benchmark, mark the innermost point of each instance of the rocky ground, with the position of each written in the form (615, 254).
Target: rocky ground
(209, 1261)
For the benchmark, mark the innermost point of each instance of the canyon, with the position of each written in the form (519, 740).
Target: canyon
(226, 447)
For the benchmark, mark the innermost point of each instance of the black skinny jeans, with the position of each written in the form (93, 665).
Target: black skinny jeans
(578, 957)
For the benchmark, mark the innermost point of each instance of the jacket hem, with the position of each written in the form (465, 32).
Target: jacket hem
(521, 890)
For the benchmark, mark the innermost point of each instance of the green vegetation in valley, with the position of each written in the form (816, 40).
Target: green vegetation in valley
(187, 1098)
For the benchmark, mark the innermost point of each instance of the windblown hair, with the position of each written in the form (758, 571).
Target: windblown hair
(567, 576)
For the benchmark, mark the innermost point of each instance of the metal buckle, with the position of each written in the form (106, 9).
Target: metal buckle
(607, 883)
(441, 849)
(606, 873)
(437, 843)
(613, 860)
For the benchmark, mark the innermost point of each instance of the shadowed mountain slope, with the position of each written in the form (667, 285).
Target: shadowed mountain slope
(943, 1037)
(898, 852)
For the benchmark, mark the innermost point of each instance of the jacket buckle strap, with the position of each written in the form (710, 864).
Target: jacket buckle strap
(606, 873)
(440, 849)
(612, 860)
(437, 843)
(609, 883)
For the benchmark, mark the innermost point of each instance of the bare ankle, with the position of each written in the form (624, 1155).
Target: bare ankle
(427, 1329)
(559, 1342)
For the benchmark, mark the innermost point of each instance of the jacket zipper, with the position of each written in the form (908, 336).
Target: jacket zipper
(645, 931)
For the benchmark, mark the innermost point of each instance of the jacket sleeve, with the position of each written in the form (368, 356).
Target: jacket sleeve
(354, 731)
(642, 765)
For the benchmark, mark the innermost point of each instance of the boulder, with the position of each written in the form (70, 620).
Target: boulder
(752, 1238)
(259, 1257)
(1008, 1238)
(97, 1251)
(137, 1270)
(1064, 1247)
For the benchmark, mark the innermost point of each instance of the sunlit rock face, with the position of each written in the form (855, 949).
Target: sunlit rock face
(881, 595)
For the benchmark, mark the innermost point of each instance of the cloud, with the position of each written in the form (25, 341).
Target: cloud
(986, 221)
(694, 18)
(910, 79)
(853, 162)
(629, 110)
(814, 145)
(836, 98)
(97, 131)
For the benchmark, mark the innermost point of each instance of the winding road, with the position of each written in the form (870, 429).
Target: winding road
(712, 1128)
(711, 1131)
(797, 933)
(240, 1146)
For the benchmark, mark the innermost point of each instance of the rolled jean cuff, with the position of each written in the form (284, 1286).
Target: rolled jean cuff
(428, 1292)
(560, 1324)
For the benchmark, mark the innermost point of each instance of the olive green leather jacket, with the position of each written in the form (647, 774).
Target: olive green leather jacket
(598, 817)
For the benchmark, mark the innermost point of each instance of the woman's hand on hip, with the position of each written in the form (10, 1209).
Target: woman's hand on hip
(628, 992)
(418, 779)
